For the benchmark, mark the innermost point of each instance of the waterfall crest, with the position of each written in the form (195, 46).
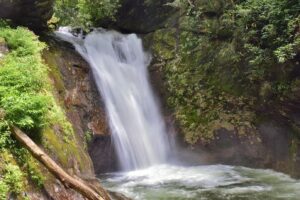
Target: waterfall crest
(119, 66)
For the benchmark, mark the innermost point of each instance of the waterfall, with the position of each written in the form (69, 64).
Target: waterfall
(119, 66)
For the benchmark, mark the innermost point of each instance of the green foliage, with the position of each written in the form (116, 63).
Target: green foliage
(57, 116)
(88, 136)
(11, 181)
(224, 47)
(5, 139)
(270, 27)
(22, 80)
(3, 23)
(13, 178)
(27, 163)
(85, 13)
(4, 189)
(35, 173)
(26, 101)
(66, 12)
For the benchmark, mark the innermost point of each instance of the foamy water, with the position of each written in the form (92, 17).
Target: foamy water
(213, 182)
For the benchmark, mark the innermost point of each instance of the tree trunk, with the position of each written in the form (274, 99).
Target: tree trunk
(67, 180)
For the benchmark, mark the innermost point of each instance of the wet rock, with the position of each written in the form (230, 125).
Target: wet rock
(274, 145)
(85, 108)
(103, 154)
(58, 191)
(96, 125)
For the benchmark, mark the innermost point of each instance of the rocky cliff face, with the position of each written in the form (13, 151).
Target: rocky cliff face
(31, 13)
(77, 90)
(272, 141)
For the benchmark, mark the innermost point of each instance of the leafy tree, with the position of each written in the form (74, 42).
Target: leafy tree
(84, 13)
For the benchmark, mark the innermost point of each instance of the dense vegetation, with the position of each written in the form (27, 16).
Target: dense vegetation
(26, 101)
(231, 61)
(84, 13)
(234, 58)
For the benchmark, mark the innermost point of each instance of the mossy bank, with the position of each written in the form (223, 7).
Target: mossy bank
(29, 99)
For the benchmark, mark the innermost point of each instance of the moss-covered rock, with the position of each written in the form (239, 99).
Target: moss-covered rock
(227, 104)
(77, 93)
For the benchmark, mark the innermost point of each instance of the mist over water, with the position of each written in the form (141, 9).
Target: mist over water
(119, 65)
(210, 182)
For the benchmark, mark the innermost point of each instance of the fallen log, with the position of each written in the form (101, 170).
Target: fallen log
(67, 180)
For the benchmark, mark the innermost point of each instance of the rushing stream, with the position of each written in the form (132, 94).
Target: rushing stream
(119, 65)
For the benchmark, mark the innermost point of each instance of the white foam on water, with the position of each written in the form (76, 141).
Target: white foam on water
(213, 182)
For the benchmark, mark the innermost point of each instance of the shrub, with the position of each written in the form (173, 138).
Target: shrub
(84, 13)
(4, 189)
(228, 51)
(22, 80)
(11, 181)
(26, 101)
(13, 178)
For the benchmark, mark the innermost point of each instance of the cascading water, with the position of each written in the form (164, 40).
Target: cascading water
(119, 65)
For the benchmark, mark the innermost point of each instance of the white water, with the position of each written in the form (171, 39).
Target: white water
(120, 68)
(212, 182)
(119, 65)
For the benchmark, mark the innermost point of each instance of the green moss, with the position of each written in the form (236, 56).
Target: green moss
(60, 138)
(55, 145)
(12, 179)
(35, 173)
(164, 43)
(230, 61)
(2, 40)
(54, 73)
(203, 90)
(28, 100)
(63, 150)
